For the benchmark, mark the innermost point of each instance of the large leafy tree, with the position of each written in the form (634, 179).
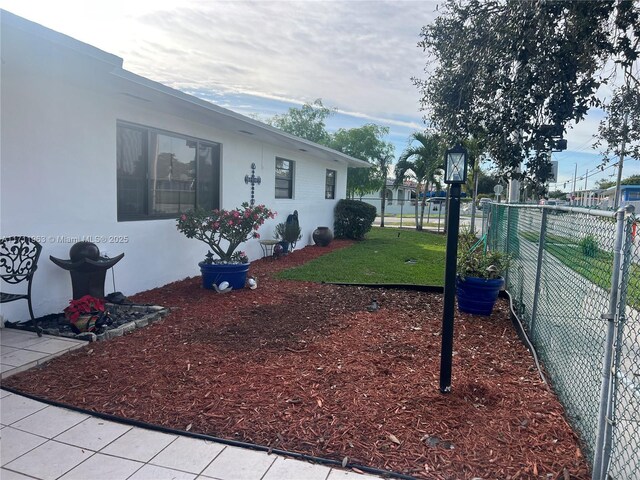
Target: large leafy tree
(307, 122)
(365, 143)
(619, 133)
(631, 180)
(515, 72)
(421, 162)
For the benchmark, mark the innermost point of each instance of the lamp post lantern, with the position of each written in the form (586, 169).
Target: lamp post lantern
(455, 174)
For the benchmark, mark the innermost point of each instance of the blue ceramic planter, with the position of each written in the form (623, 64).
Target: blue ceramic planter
(215, 273)
(478, 295)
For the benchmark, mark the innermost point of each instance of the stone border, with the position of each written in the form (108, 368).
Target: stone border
(154, 313)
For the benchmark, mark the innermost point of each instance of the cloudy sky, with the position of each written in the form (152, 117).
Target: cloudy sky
(260, 58)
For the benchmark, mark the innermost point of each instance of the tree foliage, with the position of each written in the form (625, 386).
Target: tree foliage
(622, 125)
(486, 182)
(365, 143)
(421, 162)
(515, 72)
(307, 122)
(630, 180)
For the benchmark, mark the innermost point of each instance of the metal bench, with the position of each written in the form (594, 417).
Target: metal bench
(18, 262)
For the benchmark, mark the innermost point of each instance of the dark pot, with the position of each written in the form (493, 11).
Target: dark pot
(216, 273)
(285, 246)
(478, 295)
(322, 236)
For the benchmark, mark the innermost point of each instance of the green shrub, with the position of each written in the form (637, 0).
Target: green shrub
(589, 246)
(353, 219)
(474, 261)
(288, 232)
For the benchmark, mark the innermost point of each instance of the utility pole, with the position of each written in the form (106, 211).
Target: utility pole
(476, 174)
(573, 195)
(616, 202)
(586, 177)
(514, 185)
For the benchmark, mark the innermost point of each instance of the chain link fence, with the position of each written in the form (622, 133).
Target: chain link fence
(574, 280)
(402, 213)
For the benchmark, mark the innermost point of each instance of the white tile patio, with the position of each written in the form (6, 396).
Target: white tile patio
(51, 443)
(188, 454)
(239, 464)
(20, 350)
(93, 433)
(50, 422)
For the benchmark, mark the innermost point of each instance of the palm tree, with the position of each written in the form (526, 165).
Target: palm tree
(383, 162)
(421, 162)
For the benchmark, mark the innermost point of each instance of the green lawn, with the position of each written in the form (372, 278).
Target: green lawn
(380, 258)
(596, 268)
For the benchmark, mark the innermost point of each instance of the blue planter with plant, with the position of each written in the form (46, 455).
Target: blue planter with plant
(478, 295)
(479, 278)
(216, 273)
(223, 231)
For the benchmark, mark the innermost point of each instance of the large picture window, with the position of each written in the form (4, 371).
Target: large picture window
(330, 185)
(284, 178)
(162, 174)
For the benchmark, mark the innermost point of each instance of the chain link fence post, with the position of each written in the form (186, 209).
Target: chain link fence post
(506, 242)
(600, 460)
(623, 409)
(536, 288)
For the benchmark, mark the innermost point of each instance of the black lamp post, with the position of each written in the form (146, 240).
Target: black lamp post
(455, 174)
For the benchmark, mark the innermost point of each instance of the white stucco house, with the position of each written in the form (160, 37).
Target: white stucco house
(400, 198)
(91, 151)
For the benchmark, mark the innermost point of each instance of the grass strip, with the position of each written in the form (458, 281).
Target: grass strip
(387, 255)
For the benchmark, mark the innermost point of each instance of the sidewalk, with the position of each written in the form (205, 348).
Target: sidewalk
(48, 443)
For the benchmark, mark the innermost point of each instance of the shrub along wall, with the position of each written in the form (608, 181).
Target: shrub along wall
(353, 219)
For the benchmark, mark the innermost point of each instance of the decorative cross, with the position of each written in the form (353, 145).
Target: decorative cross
(253, 180)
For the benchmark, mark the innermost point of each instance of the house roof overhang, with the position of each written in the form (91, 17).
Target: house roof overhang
(146, 90)
(107, 70)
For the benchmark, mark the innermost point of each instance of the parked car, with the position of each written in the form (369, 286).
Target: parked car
(483, 202)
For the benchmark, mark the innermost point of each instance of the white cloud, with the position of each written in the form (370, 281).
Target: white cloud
(358, 56)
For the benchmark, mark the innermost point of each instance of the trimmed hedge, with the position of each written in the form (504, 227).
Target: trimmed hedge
(353, 219)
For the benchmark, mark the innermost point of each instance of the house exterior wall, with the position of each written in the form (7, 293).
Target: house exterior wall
(58, 176)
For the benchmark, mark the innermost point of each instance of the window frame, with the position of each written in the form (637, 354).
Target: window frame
(290, 179)
(327, 185)
(147, 135)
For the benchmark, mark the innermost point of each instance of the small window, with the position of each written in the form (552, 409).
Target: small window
(284, 178)
(330, 185)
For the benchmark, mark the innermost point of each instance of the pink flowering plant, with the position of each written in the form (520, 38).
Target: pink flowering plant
(224, 230)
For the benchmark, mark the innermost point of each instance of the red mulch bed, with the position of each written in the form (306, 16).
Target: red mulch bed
(307, 368)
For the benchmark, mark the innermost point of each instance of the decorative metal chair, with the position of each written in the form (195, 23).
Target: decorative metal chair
(18, 262)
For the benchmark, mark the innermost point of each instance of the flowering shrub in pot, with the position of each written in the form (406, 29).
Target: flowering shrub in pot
(223, 231)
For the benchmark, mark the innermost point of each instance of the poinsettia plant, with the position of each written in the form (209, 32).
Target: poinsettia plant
(83, 306)
(224, 230)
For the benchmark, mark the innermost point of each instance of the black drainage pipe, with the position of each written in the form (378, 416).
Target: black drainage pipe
(394, 286)
(203, 436)
(522, 333)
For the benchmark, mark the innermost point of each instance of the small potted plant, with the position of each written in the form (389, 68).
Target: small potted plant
(289, 233)
(479, 275)
(86, 314)
(223, 231)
